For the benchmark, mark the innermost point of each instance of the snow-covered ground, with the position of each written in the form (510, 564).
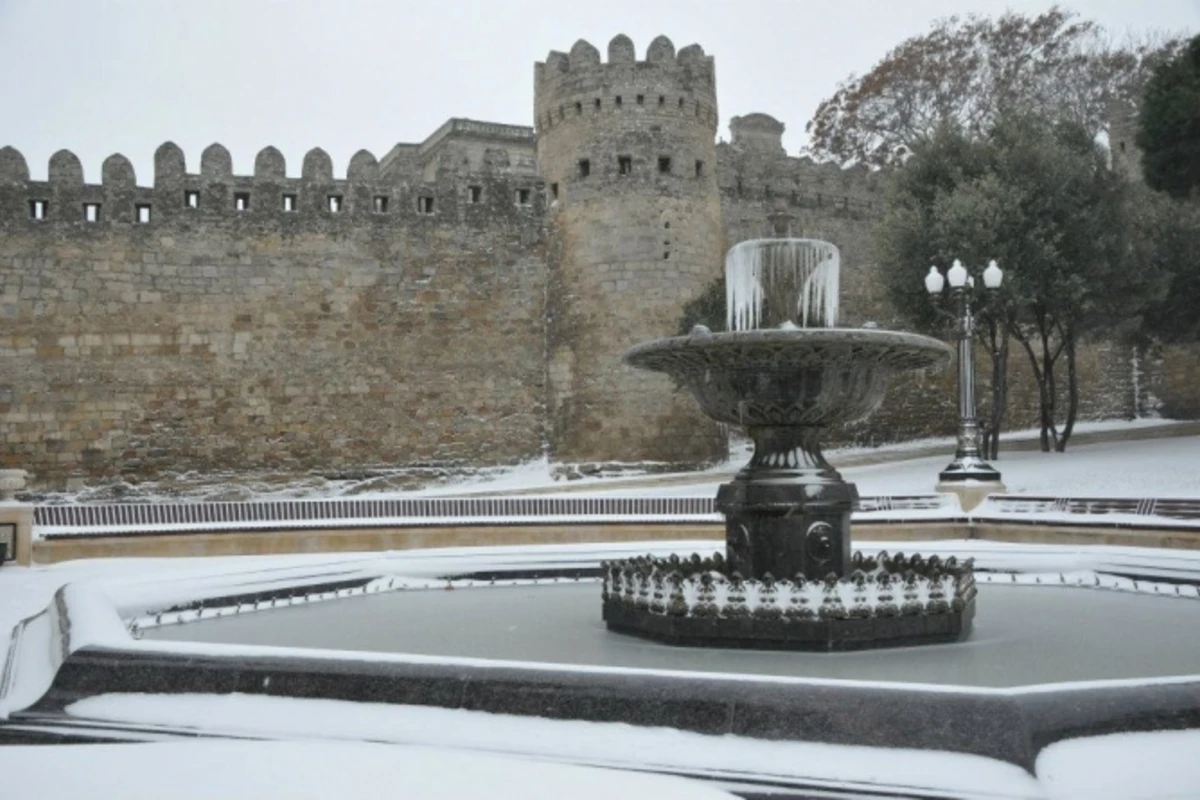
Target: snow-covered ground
(320, 752)
(1145, 468)
(252, 770)
(531, 476)
(1149, 468)
(608, 744)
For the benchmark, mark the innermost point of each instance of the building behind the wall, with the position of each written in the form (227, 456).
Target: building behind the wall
(464, 300)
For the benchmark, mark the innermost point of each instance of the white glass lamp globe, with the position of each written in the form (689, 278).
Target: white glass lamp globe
(934, 282)
(992, 275)
(957, 275)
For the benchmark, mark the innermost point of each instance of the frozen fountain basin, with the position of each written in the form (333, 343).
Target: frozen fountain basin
(1027, 635)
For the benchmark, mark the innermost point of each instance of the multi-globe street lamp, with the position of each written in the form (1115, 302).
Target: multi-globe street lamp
(969, 473)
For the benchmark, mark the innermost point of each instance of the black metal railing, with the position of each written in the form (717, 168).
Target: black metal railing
(166, 518)
(1162, 507)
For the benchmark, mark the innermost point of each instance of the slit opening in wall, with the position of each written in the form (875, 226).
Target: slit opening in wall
(524, 196)
(585, 167)
(38, 209)
(475, 194)
(142, 212)
(554, 191)
(596, 104)
(578, 108)
(662, 100)
(241, 201)
(699, 169)
(91, 212)
(664, 164)
(624, 164)
(641, 99)
(618, 101)
(191, 198)
(289, 202)
(380, 204)
(334, 203)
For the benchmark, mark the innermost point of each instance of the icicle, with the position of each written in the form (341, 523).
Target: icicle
(777, 277)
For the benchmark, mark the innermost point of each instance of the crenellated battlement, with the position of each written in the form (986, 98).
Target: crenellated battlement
(578, 85)
(756, 171)
(456, 173)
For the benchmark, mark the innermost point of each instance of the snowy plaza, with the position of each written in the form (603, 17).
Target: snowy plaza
(648, 448)
(529, 611)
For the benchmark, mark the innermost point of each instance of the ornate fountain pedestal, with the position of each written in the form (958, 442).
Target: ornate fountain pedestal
(787, 520)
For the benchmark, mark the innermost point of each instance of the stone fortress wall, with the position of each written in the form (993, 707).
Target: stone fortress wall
(363, 327)
(460, 300)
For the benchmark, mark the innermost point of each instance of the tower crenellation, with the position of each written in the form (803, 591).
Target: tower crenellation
(570, 86)
(627, 151)
(621, 116)
(458, 174)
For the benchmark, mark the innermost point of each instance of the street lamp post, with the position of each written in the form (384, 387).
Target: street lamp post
(969, 474)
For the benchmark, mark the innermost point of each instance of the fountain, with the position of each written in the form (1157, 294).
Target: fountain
(788, 580)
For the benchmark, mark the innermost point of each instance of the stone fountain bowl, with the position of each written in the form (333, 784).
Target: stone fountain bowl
(798, 377)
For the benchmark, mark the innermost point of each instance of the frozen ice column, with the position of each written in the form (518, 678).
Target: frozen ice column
(770, 282)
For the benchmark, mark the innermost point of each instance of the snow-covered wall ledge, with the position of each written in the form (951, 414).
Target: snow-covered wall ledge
(80, 615)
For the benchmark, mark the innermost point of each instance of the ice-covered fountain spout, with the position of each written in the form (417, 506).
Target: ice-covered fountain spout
(787, 512)
(773, 282)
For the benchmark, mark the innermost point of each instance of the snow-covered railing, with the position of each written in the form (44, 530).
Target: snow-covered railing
(69, 520)
(132, 519)
(917, 502)
(157, 518)
(1140, 511)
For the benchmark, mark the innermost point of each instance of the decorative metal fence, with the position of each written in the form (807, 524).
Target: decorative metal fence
(157, 518)
(1156, 507)
(132, 519)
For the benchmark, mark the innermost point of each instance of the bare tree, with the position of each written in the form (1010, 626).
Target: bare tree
(968, 70)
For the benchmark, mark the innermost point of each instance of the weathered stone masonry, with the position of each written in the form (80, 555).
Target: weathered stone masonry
(464, 299)
(626, 149)
(212, 338)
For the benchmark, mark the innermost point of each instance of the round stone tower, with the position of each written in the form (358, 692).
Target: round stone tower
(627, 151)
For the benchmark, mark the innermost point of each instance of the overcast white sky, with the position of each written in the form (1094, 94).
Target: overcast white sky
(104, 76)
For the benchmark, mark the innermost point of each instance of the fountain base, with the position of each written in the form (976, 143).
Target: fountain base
(821, 635)
(884, 602)
(787, 527)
